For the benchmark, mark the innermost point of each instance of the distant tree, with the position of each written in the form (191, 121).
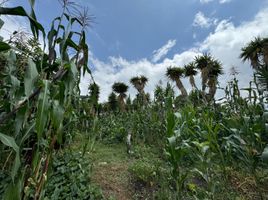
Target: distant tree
(257, 53)
(94, 93)
(112, 102)
(202, 63)
(139, 83)
(175, 74)
(215, 69)
(190, 71)
(121, 89)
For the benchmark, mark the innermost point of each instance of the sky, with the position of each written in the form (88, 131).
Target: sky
(144, 37)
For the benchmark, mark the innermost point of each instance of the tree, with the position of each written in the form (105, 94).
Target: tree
(256, 52)
(175, 74)
(202, 63)
(252, 52)
(112, 101)
(215, 69)
(135, 82)
(265, 51)
(121, 89)
(139, 83)
(94, 92)
(190, 71)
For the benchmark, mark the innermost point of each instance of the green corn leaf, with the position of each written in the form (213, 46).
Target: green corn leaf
(170, 124)
(74, 70)
(4, 46)
(52, 33)
(172, 141)
(14, 81)
(68, 42)
(59, 40)
(11, 62)
(33, 27)
(19, 11)
(1, 23)
(16, 166)
(20, 119)
(27, 134)
(85, 54)
(72, 44)
(42, 110)
(32, 3)
(72, 19)
(10, 142)
(84, 46)
(264, 154)
(31, 75)
(57, 114)
(63, 28)
(13, 191)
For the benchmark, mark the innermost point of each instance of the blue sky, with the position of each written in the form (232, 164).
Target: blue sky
(133, 37)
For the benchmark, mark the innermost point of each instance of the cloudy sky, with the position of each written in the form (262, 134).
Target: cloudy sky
(144, 37)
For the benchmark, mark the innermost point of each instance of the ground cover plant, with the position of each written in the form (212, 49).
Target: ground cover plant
(58, 144)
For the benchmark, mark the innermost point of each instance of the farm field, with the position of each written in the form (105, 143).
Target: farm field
(191, 136)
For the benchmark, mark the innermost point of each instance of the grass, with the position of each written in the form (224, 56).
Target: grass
(114, 171)
(144, 175)
(110, 170)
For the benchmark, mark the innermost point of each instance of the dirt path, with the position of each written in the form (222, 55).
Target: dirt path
(110, 171)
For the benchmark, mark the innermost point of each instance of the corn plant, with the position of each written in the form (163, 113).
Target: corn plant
(177, 148)
(37, 110)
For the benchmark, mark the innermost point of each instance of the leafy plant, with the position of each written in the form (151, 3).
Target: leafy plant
(70, 177)
(38, 107)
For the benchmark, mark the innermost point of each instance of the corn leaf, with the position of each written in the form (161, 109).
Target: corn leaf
(42, 110)
(10, 142)
(4, 46)
(1, 23)
(19, 11)
(31, 75)
(264, 154)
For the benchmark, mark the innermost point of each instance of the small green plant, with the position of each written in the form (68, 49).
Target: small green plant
(144, 172)
(70, 178)
(177, 149)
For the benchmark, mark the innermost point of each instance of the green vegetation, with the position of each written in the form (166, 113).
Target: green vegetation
(57, 144)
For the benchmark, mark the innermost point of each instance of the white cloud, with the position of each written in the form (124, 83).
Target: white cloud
(224, 1)
(120, 69)
(224, 43)
(202, 21)
(220, 1)
(205, 1)
(160, 53)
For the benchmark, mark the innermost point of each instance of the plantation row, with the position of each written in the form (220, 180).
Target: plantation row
(184, 147)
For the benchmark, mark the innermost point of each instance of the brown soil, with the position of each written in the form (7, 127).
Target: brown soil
(113, 178)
